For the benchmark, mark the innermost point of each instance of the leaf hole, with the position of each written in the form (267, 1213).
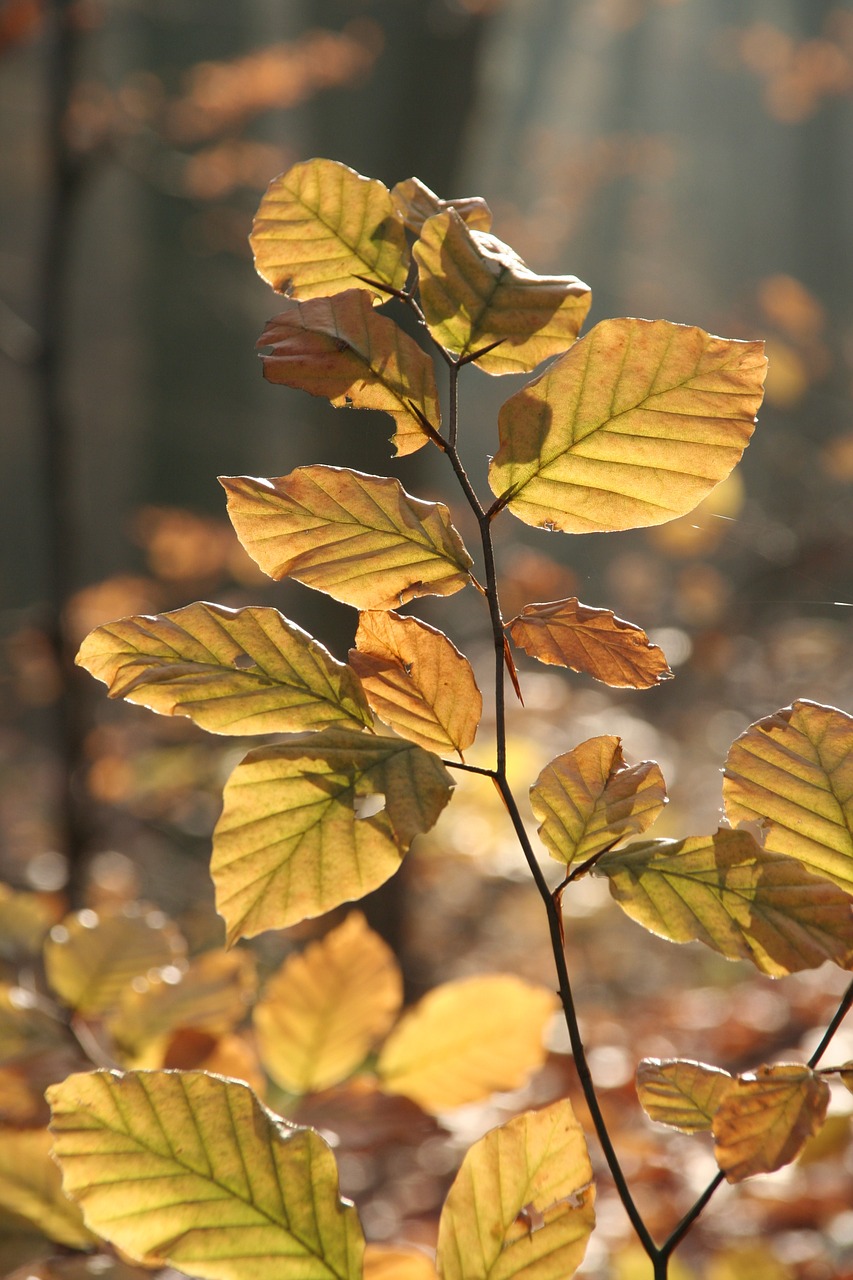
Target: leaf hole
(368, 806)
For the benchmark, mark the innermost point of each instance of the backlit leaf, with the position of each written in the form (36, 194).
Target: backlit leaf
(417, 681)
(189, 1170)
(475, 290)
(632, 427)
(342, 349)
(566, 633)
(453, 1046)
(681, 1093)
(318, 820)
(414, 203)
(744, 901)
(234, 671)
(361, 539)
(394, 1262)
(589, 798)
(522, 1202)
(327, 1007)
(793, 772)
(766, 1118)
(321, 226)
(31, 1186)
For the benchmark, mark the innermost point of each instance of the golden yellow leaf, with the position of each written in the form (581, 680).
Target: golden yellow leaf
(328, 1007)
(752, 1261)
(393, 1262)
(319, 820)
(766, 1117)
(414, 203)
(522, 1202)
(632, 427)
(321, 227)
(566, 633)
(236, 671)
(589, 797)
(453, 1046)
(475, 290)
(31, 1186)
(361, 539)
(417, 681)
(793, 772)
(682, 1094)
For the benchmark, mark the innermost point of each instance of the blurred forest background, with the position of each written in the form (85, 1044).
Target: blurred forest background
(689, 159)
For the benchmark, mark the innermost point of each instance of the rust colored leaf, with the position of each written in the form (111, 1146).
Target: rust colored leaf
(766, 1117)
(414, 203)
(683, 1094)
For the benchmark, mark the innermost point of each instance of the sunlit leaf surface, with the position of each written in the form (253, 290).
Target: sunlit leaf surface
(31, 1185)
(414, 202)
(566, 633)
(681, 1093)
(766, 1117)
(632, 427)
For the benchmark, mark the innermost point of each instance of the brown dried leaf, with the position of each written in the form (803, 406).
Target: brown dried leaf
(682, 1094)
(766, 1118)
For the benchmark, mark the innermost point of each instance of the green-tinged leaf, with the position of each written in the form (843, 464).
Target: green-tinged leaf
(417, 681)
(793, 772)
(237, 671)
(395, 1262)
(632, 427)
(318, 820)
(361, 539)
(766, 1117)
(91, 957)
(328, 1007)
(189, 1170)
(31, 1186)
(321, 227)
(475, 290)
(342, 349)
(26, 1028)
(683, 1094)
(589, 798)
(453, 1046)
(744, 901)
(566, 633)
(24, 921)
(522, 1202)
(414, 203)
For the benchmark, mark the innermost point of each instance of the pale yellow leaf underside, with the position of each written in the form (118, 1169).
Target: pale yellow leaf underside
(414, 203)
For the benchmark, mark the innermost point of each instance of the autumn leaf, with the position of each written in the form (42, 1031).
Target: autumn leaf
(632, 427)
(236, 671)
(342, 349)
(475, 290)
(566, 633)
(25, 1028)
(24, 921)
(188, 1170)
(417, 681)
(793, 773)
(31, 1186)
(414, 203)
(394, 1262)
(589, 798)
(316, 821)
(682, 1094)
(766, 1117)
(328, 1007)
(453, 1046)
(362, 539)
(321, 228)
(522, 1202)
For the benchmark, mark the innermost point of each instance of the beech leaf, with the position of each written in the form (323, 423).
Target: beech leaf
(236, 671)
(25, 1029)
(475, 290)
(362, 539)
(566, 633)
(31, 1186)
(414, 203)
(297, 838)
(321, 227)
(766, 1117)
(589, 797)
(344, 350)
(417, 681)
(395, 1262)
(683, 1094)
(188, 1170)
(793, 773)
(744, 901)
(522, 1202)
(632, 427)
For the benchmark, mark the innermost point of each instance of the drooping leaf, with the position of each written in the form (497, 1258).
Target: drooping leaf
(766, 1118)
(321, 227)
(327, 1007)
(744, 901)
(566, 633)
(344, 350)
(318, 820)
(361, 539)
(417, 681)
(237, 671)
(522, 1203)
(589, 797)
(395, 1262)
(414, 203)
(25, 1028)
(683, 1094)
(632, 427)
(475, 290)
(793, 772)
(453, 1046)
(31, 1186)
(189, 1170)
